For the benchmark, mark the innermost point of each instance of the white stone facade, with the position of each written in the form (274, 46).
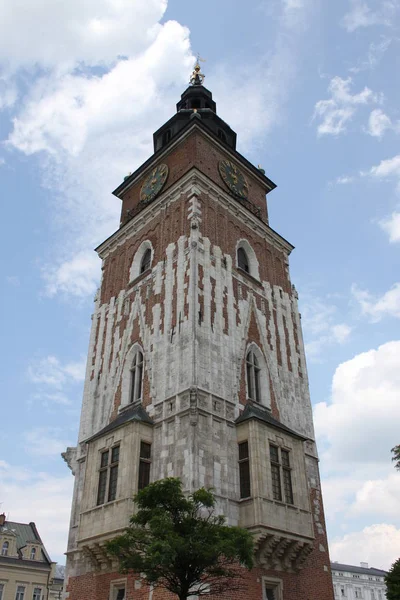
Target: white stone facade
(352, 583)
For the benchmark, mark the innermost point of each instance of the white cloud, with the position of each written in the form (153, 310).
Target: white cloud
(378, 545)
(91, 129)
(354, 427)
(321, 327)
(66, 33)
(386, 168)
(45, 441)
(378, 495)
(378, 307)
(49, 503)
(336, 112)
(392, 226)
(344, 179)
(51, 373)
(361, 15)
(374, 56)
(378, 123)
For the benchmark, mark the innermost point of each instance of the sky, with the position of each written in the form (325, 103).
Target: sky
(312, 89)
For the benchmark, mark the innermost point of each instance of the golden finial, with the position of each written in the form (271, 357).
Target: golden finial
(197, 76)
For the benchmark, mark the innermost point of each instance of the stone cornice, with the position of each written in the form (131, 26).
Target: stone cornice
(194, 182)
(155, 158)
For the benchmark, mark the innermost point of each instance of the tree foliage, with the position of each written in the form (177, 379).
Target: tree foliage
(396, 457)
(392, 581)
(180, 544)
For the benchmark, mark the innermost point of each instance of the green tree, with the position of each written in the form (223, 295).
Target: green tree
(396, 456)
(180, 544)
(392, 581)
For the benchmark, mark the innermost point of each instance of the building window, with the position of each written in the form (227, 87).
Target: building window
(118, 591)
(20, 593)
(1, 590)
(253, 377)
(146, 261)
(4, 549)
(272, 589)
(136, 377)
(342, 592)
(120, 594)
(37, 593)
(144, 465)
(244, 470)
(243, 261)
(373, 594)
(108, 475)
(281, 474)
(33, 553)
(357, 592)
(166, 137)
(222, 136)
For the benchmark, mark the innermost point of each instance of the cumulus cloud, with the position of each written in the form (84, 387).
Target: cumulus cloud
(392, 226)
(362, 15)
(353, 427)
(378, 123)
(335, 114)
(377, 544)
(49, 503)
(376, 307)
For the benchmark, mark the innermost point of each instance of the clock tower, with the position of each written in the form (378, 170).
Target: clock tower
(196, 367)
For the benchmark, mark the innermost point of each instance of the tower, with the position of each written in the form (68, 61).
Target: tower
(196, 367)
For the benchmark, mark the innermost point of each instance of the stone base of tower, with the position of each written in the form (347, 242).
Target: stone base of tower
(313, 582)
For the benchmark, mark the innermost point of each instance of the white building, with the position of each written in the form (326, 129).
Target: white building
(353, 582)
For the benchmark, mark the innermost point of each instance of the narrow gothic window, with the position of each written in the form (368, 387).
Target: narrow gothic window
(108, 475)
(281, 474)
(144, 465)
(33, 553)
(137, 377)
(4, 550)
(244, 470)
(146, 260)
(253, 377)
(243, 261)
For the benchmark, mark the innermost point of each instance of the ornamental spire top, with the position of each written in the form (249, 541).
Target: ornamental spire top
(197, 77)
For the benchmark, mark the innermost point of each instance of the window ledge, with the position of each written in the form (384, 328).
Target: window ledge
(123, 407)
(139, 278)
(251, 277)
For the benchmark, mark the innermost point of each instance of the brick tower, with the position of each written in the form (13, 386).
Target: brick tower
(196, 367)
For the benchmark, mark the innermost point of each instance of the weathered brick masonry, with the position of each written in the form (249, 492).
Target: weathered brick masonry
(194, 315)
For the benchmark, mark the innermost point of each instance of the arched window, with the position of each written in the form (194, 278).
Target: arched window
(136, 377)
(4, 550)
(33, 553)
(243, 261)
(146, 260)
(253, 371)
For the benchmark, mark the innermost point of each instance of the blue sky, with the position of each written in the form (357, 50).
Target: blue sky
(312, 89)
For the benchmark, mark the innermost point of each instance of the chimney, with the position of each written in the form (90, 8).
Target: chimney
(2, 519)
(364, 565)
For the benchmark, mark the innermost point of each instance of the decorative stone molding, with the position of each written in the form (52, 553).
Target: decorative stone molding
(281, 552)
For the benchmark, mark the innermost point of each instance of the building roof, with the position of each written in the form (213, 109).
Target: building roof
(59, 572)
(134, 413)
(262, 414)
(360, 570)
(25, 533)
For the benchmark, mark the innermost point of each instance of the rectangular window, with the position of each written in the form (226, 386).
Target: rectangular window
(244, 470)
(120, 594)
(281, 474)
(272, 589)
(108, 475)
(1, 590)
(37, 593)
(20, 593)
(342, 592)
(144, 465)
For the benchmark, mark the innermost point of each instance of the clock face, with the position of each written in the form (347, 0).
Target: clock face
(233, 178)
(154, 183)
